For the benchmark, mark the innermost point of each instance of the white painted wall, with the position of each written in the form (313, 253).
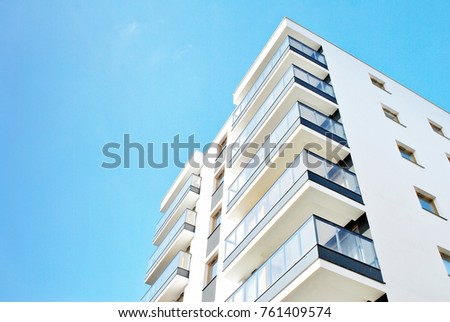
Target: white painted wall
(406, 236)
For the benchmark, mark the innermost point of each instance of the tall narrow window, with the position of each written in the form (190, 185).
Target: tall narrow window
(446, 260)
(221, 149)
(211, 269)
(222, 145)
(219, 180)
(216, 219)
(427, 201)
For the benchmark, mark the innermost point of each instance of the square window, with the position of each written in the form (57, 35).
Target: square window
(436, 128)
(446, 260)
(407, 153)
(427, 202)
(377, 82)
(391, 115)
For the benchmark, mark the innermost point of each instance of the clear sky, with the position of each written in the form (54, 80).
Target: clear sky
(75, 75)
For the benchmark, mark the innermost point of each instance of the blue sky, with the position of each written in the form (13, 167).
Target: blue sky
(75, 75)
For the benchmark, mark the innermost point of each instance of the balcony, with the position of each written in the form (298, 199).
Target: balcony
(288, 131)
(288, 44)
(171, 283)
(322, 123)
(178, 238)
(209, 291)
(186, 198)
(309, 184)
(293, 75)
(317, 240)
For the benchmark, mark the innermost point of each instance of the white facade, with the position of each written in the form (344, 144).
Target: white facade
(397, 249)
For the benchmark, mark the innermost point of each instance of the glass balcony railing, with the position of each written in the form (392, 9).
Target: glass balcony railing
(308, 51)
(315, 231)
(261, 79)
(322, 120)
(305, 161)
(181, 261)
(287, 43)
(315, 82)
(293, 73)
(188, 217)
(193, 181)
(278, 135)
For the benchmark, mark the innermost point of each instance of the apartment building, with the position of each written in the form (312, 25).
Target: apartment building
(329, 182)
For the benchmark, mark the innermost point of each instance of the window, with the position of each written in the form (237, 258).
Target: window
(407, 153)
(391, 114)
(436, 128)
(222, 144)
(220, 150)
(216, 219)
(446, 260)
(427, 201)
(377, 82)
(212, 269)
(219, 179)
(180, 298)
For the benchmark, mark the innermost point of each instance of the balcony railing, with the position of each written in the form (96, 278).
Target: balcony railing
(193, 181)
(314, 82)
(308, 52)
(304, 162)
(217, 196)
(323, 121)
(188, 217)
(315, 231)
(288, 43)
(238, 111)
(278, 136)
(181, 262)
(293, 73)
